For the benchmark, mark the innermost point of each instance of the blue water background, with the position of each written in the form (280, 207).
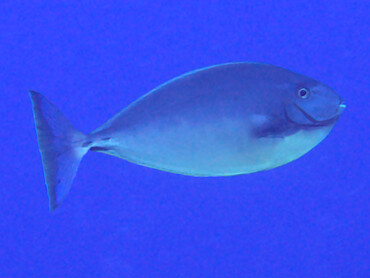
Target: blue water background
(309, 218)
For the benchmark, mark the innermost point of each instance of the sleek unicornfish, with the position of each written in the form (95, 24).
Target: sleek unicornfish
(224, 120)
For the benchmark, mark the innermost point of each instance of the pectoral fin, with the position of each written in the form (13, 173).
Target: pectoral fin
(271, 126)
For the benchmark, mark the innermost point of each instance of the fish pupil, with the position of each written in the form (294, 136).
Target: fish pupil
(303, 93)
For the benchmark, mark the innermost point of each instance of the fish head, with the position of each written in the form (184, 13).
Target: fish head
(313, 104)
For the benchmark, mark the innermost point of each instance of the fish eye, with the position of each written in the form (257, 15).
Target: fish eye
(303, 93)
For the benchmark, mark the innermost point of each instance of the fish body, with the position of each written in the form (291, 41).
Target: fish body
(223, 120)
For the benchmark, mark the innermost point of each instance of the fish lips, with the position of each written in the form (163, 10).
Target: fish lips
(298, 115)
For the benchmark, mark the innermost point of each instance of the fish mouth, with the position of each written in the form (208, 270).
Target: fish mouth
(329, 121)
(341, 107)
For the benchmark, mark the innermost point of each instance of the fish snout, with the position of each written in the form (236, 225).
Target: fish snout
(341, 107)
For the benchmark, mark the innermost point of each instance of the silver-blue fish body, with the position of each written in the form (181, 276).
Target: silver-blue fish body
(223, 120)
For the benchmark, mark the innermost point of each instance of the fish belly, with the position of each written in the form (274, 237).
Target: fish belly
(215, 148)
(219, 148)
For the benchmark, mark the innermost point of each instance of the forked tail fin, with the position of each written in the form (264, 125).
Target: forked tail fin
(61, 148)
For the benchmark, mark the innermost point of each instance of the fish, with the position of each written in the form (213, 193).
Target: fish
(223, 120)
